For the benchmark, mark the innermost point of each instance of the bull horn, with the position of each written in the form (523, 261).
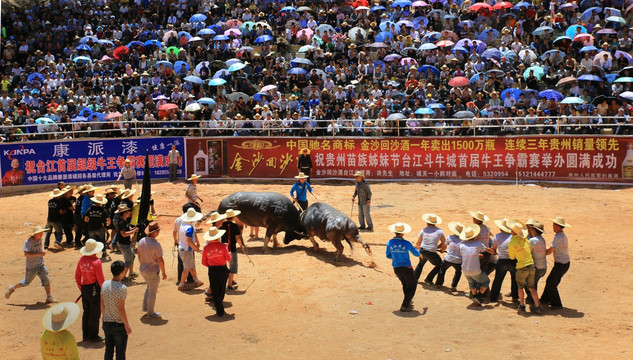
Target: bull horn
(365, 245)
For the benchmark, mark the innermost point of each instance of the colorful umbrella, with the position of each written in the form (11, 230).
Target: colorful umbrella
(168, 106)
(118, 52)
(207, 101)
(459, 81)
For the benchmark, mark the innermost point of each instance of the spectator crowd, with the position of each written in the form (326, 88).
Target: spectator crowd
(75, 68)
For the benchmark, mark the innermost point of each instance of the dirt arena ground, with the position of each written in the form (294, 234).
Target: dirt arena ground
(297, 304)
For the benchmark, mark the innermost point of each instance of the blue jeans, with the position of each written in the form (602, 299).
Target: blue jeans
(363, 214)
(53, 226)
(115, 338)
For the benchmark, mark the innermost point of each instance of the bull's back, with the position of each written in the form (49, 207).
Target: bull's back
(267, 209)
(326, 222)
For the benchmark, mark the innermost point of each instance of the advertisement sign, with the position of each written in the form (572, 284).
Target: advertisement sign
(584, 159)
(29, 163)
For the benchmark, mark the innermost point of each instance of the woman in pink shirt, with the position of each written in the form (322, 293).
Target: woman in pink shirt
(215, 255)
(89, 278)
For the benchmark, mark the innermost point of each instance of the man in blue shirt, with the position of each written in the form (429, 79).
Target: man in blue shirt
(398, 251)
(299, 191)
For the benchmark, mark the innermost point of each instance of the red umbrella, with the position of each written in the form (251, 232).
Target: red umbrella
(358, 3)
(168, 106)
(480, 6)
(444, 43)
(113, 115)
(502, 5)
(566, 80)
(120, 51)
(459, 81)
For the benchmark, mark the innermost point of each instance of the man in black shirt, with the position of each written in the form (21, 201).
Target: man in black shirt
(80, 227)
(232, 237)
(97, 220)
(124, 235)
(54, 219)
(67, 202)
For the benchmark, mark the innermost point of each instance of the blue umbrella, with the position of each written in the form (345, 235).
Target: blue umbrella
(551, 94)
(436, 106)
(627, 95)
(538, 72)
(512, 92)
(153, 43)
(588, 48)
(587, 13)
(148, 34)
(35, 76)
(587, 107)
(263, 38)
(377, 8)
(236, 67)
(198, 18)
(572, 100)
(522, 5)
(386, 25)
(588, 77)
(476, 77)
(106, 42)
(206, 32)
(83, 47)
(135, 43)
(164, 63)
(432, 37)
(429, 68)
(186, 34)
(401, 3)
(194, 79)
(484, 35)
(44, 120)
(221, 74)
(288, 9)
(220, 37)
(492, 53)
(297, 71)
(85, 39)
(542, 30)
(571, 31)
(610, 77)
(557, 54)
(424, 111)
(392, 57)
(302, 61)
(455, 49)
(230, 62)
(468, 23)
(206, 101)
(79, 118)
(179, 64)
(260, 96)
(624, 79)
(82, 58)
(217, 82)
(384, 36)
(428, 46)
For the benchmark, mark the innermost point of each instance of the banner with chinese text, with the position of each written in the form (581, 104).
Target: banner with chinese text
(29, 163)
(583, 159)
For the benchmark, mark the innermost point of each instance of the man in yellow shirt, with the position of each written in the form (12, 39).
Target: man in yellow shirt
(56, 341)
(519, 249)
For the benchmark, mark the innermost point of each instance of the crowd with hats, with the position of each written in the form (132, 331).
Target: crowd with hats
(472, 250)
(395, 67)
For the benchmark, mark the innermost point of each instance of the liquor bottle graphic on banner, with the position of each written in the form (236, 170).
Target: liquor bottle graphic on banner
(201, 162)
(627, 164)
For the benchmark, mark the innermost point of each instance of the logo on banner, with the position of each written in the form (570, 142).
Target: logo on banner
(20, 151)
(256, 145)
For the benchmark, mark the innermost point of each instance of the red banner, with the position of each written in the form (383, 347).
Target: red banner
(585, 159)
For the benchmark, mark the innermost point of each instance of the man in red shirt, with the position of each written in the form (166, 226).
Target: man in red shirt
(215, 256)
(89, 278)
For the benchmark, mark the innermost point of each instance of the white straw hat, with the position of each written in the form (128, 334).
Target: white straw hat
(215, 217)
(99, 199)
(232, 213)
(92, 247)
(432, 219)
(456, 227)
(301, 176)
(400, 228)
(191, 215)
(560, 221)
(60, 316)
(38, 229)
(470, 232)
(213, 234)
(501, 224)
(517, 228)
(194, 177)
(479, 215)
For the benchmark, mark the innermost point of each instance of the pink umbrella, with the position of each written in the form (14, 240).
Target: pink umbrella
(599, 56)
(169, 34)
(408, 61)
(450, 35)
(168, 106)
(105, 58)
(584, 38)
(234, 32)
(459, 81)
(419, 4)
(113, 115)
(233, 23)
(307, 32)
(480, 6)
(268, 88)
(444, 43)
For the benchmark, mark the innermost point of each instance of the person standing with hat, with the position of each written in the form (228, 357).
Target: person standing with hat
(187, 244)
(505, 265)
(538, 246)
(469, 250)
(519, 250)
(86, 204)
(560, 248)
(89, 279)
(175, 235)
(124, 235)
(68, 202)
(116, 326)
(452, 257)
(128, 172)
(34, 264)
(398, 251)
(97, 220)
(232, 237)
(150, 257)
(484, 237)
(215, 256)
(363, 191)
(304, 163)
(192, 194)
(54, 219)
(430, 239)
(174, 163)
(299, 191)
(56, 342)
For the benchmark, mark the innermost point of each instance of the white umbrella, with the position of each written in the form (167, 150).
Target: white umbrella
(193, 107)
(354, 31)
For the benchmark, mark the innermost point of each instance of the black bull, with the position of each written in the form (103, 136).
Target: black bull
(271, 210)
(329, 224)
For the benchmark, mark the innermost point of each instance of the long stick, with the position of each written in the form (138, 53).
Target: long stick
(352, 210)
(79, 298)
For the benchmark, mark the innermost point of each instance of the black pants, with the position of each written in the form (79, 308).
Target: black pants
(484, 261)
(504, 266)
(434, 259)
(442, 273)
(218, 275)
(67, 225)
(91, 300)
(115, 339)
(180, 270)
(550, 293)
(303, 205)
(409, 283)
(82, 234)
